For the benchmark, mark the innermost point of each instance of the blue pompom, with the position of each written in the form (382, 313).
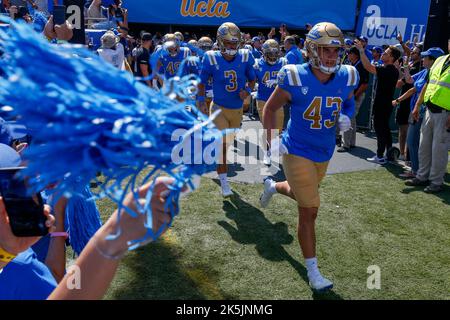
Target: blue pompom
(87, 117)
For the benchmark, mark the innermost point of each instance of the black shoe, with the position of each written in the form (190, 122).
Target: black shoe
(433, 188)
(416, 183)
(343, 149)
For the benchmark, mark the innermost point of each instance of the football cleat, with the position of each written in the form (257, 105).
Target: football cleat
(267, 194)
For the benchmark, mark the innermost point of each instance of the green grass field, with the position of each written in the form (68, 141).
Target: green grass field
(235, 250)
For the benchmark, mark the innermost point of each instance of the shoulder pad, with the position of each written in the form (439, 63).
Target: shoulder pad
(351, 74)
(245, 53)
(211, 57)
(293, 75)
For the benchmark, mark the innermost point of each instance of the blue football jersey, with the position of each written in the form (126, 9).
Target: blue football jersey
(229, 77)
(266, 76)
(170, 65)
(315, 109)
(294, 56)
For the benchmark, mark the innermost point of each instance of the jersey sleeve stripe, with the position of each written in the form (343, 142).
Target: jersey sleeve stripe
(294, 78)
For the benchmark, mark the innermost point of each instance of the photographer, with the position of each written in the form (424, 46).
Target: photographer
(22, 275)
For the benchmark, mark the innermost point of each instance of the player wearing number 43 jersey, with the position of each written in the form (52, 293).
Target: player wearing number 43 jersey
(321, 97)
(230, 68)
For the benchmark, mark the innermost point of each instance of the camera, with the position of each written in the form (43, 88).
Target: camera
(25, 211)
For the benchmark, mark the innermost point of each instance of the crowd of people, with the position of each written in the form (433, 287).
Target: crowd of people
(323, 78)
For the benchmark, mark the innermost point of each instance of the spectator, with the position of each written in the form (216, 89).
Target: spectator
(360, 94)
(376, 53)
(142, 66)
(293, 53)
(413, 136)
(365, 42)
(387, 77)
(24, 276)
(434, 136)
(112, 50)
(256, 48)
(404, 109)
(61, 33)
(95, 10)
(308, 27)
(5, 5)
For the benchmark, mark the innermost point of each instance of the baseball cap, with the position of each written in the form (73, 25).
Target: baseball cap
(109, 40)
(10, 158)
(434, 52)
(378, 49)
(362, 38)
(146, 37)
(348, 42)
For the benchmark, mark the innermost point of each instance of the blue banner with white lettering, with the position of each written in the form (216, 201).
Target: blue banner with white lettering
(381, 20)
(245, 13)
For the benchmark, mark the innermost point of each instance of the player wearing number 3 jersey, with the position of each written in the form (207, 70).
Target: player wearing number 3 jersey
(321, 97)
(230, 69)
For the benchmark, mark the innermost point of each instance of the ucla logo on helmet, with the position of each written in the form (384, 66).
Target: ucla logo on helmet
(223, 30)
(314, 34)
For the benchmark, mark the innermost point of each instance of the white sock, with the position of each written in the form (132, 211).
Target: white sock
(311, 266)
(223, 178)
(272, 188)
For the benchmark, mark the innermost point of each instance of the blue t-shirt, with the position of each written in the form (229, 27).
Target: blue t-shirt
(26, 278)
(266, 75)
(256, 53)
(229, 77)
(294, 56)
(315, 109)
(170, 65)
(420, 79)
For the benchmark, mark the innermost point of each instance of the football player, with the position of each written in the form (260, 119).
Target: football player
(266, 70)
(321, 96)
(230, 68)
(172, 56)
(206, 44)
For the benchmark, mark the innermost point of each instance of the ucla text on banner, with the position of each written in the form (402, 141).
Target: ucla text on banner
(245, 13)
(381, 20)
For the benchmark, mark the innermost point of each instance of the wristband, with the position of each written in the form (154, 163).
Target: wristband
(59, 234)
(5, 256)
(201, 98)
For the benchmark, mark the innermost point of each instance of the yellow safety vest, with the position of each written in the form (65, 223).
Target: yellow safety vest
(438, 88)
